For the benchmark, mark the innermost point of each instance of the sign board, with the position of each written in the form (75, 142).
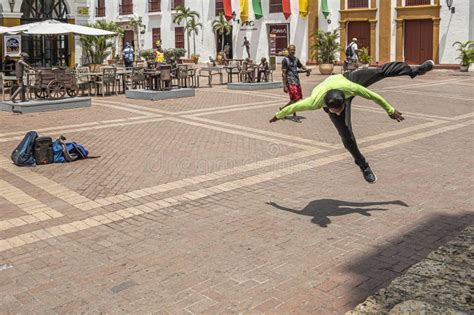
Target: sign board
(12, 45)
(248, 26)
(278, 37)
(83, 10)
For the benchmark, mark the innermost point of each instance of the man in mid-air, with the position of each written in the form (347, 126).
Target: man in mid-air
(335, 96)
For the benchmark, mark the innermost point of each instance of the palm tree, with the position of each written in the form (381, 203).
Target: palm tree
(97, 48)
(221, 26)
(185, 14)
(193, 27)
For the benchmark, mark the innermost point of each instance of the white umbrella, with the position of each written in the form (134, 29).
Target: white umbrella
(53, 27)
(4, 29)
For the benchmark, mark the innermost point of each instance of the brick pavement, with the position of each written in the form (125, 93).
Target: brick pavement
(200, 206)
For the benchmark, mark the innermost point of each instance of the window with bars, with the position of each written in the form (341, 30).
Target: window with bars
(154, 5)
(417, 2)
(179, 37)
(126, 7)
(219, 7)
(156, 35)
(100, 9)
(176, 3)
(353, 4)
(276, 6)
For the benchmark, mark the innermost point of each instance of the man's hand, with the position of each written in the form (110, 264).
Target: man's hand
(397, 116)
(285, 89)
(273, 119)
(308, 72)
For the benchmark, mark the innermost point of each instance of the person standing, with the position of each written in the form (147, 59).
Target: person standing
(247, 46)
(20, 71)
(226, 50)
(128, 55)
(352, 51)
(291, 78)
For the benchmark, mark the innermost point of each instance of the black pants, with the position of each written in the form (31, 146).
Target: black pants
(365, 77)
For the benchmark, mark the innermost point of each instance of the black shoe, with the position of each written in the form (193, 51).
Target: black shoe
(369, 176)
(425, 67)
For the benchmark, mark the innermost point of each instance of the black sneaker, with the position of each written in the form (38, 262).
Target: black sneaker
(369, 176)
(425, 67)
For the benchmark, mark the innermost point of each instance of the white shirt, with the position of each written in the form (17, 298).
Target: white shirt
(354, 48)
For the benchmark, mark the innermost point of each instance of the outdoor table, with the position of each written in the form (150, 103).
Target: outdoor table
(211, 71)
(122, 74)
(153, 78)
(230, 71)
(9, 78)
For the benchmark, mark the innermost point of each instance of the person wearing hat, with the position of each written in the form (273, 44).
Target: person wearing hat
(20, 71)
(335, 96)
(351, 51)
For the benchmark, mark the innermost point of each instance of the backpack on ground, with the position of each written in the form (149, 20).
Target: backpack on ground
(43, 150)
(68, 151)
(349, 51)
(23, 155)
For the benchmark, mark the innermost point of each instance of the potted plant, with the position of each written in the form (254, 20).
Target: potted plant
(195, 58)
(96, 49)
(364, 57)
(325, 49)
(466, 54)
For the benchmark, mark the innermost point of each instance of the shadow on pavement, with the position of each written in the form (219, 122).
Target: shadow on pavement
(322, 209)
(389, 261)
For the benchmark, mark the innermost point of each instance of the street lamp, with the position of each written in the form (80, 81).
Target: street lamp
(12, 4)
(234, 17)
(449, 3)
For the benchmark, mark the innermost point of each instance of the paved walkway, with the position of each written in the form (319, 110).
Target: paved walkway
(200, 206)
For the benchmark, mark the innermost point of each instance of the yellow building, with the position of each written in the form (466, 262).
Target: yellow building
(402, 30)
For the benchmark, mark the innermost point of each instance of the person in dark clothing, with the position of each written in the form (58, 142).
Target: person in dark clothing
(20, 71)
(335, 96)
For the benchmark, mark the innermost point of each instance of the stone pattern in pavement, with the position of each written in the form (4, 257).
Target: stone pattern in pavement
(440, 284)
(259, 219)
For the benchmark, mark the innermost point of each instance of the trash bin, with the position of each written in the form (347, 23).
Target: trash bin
(273, 62)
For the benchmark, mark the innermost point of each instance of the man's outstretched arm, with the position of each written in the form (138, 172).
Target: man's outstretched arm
(308, 103)
(368, 94)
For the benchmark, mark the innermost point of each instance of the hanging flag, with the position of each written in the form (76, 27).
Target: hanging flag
(286, 8)
(228, 9)
(244, 10)
(257, 8)
(325, 8)
(303, 7)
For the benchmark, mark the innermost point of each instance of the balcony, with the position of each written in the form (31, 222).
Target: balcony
(410, 3)
(154, 6)
(99, 11)
(126, 9)
(355, 4)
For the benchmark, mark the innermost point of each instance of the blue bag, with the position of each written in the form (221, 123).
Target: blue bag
(68, 151)
(23, 155)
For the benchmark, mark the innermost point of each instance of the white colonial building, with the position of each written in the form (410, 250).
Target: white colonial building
(267, 35)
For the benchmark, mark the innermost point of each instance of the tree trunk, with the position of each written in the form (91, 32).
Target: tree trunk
(222, 44)
(194, 43)
(189, 47)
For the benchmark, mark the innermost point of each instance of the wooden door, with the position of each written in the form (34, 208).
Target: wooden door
(418, 39)
(129, 37)
(361, 31)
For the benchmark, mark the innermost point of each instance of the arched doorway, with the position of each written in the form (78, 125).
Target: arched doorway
(45, 51)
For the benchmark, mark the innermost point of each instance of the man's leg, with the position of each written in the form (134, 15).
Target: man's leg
(367, 77)
(344, 128)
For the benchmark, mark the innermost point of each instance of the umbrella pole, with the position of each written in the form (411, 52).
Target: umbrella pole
(44, 52)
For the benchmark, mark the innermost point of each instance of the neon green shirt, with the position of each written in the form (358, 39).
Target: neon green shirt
(339, 82)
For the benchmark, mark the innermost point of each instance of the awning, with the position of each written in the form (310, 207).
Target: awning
(286, 8)
(53, 27)
(325, 8)
(228, 9)
(303, 6)
(4, 29)
(244, 10)
(257, 8)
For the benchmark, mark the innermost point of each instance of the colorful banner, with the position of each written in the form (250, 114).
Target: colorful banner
(244, 10)
(228, 9)
(325, 8)
(257, 8)
(286, 8)
(12, 44)
(303, 6)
